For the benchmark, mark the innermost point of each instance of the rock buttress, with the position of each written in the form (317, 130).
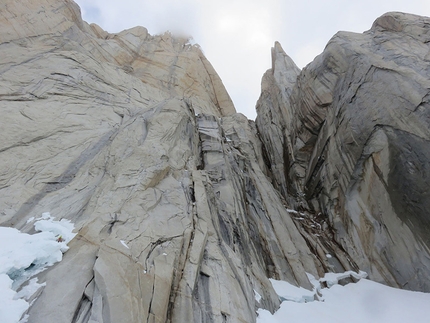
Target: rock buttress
(354, 129)
(134, 138)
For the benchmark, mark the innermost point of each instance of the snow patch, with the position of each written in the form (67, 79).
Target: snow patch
(29, 290)
(124, 244)
(332, 279)
(292, 211)
(288, 292)
(22, 256)
(257, 296)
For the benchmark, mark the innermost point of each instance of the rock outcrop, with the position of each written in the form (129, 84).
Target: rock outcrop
(352, 143)
(183, 208)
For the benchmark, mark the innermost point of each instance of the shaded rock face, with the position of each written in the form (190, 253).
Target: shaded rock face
(183, 208)
(355, 131)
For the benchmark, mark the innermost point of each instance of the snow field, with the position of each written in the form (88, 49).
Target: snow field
(362, 302)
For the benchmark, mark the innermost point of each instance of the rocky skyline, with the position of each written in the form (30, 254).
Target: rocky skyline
(182, 208)
(236, 34)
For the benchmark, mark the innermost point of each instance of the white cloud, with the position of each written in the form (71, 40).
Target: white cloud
(236, 35)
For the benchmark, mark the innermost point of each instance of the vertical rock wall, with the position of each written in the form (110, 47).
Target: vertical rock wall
(356, 143)
(134, 138)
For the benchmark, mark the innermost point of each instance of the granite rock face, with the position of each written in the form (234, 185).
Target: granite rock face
(134, 138)
(352, 131)
(183, 208)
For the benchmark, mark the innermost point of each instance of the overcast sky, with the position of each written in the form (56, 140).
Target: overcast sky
(236, 35)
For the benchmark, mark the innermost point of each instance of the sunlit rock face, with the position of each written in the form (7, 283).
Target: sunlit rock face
(351, 141)
(183, 208)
